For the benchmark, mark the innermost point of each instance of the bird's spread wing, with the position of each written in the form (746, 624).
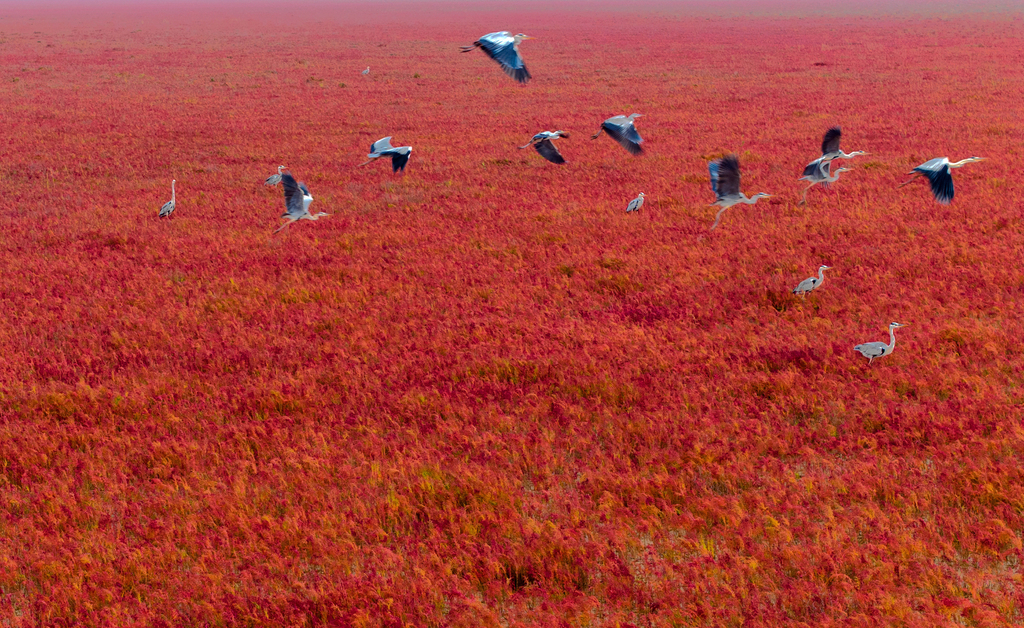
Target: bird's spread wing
(939, 177)
(501, 48)
(942, 185)
(830, 143)
(380, 145)
(713, 170)
(399, 159)
(728, 176)
(292, 197)
(623, 132)
(818, 169)
(548, 151)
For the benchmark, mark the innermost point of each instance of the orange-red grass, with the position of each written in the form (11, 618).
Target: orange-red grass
(480, 393)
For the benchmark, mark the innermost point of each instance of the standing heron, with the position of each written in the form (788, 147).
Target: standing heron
(939, 177)
(168, 207)
(296, 201)
(366, 71)
(725, 182)
(274, 179)
(504, 48)
(818, 172)
(383, 148)
(621, 129)
(811, 283)
(635, 204)
(872, 350)
(543, 143)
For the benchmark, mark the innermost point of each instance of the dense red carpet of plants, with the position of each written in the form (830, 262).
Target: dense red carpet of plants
(480, 394)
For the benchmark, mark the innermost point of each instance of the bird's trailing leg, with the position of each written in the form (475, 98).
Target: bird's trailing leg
(370, 161)
(910, 180)
(526, 146)
(718, 217)
(283, 226)
(596, 135)
(806, 190)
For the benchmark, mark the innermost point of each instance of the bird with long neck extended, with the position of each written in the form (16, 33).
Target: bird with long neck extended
(819, 174)
(937, 171)
(168, 207)
(811, 283)
(725, 182)
(872, 350)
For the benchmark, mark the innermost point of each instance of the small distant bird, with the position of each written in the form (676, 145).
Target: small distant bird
(872, 350)
(383, 148)
(725, 182)
(274, 179)
(296, 201)
(504, 48)
(543, 143)
(366, 71)
(168, 207)
(811, 283)
(635, 204)
(818, 172)
(938, 175)
(621, 129)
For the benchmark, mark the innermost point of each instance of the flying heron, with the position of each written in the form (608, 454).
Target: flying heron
(169, 205)
(274, 179)
(872, 350)
(939, 177)
(811, 283)
(635, 204)
(383, 148)
(543, 143)
(725, 182)
(296, 201)
(830, 146)
(818, 172)
(621, 129)
(504, 48)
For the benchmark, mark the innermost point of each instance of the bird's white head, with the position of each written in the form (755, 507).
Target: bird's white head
(520, 37)
(894, 325)
(823, 267)
(976, 159)
(641, 195)
(858, 153)
(635, 115)
(762, 195)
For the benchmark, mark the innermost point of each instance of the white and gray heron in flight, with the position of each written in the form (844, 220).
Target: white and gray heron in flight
(830, 146)
(296, 201)
(725, 182)
(366, 71)
(504, 48)
(168, 207)
(818, 172)
(621, 129)
(811, 283)
(543, 143)
(383, 148)
(939, 177)
(274, 179)
(872, 350)
(635, 204)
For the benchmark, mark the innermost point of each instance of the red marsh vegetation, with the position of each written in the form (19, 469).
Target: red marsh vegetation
(479, 393)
